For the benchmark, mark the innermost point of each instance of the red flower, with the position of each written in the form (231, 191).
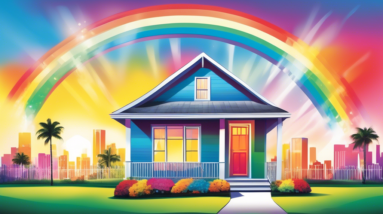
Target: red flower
(301, 186)
(122, 189)
(162, 184)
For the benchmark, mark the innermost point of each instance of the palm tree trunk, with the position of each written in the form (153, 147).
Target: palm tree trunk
(51, 164)
(365, 163)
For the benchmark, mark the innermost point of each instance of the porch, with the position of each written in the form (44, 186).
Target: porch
(234, 148)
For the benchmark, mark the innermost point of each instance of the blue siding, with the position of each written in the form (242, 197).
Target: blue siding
(141, 139)
(141, 144)
(220, 89)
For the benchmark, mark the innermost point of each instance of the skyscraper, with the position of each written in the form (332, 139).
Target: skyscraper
(85, 164)
(121, 153)
(63, 164)
(6, 160)
(78, 163)
(54, 150)
(25, 143)
(285, 159)
(345, 157)
(313, 155)
(98, 144)
(71, 169)
(113, 149)
(14, 151)
(65, 152)
(299, 152)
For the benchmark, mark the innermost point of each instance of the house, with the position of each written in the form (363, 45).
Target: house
(200, 122)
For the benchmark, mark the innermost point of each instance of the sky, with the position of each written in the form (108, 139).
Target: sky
(345, 35)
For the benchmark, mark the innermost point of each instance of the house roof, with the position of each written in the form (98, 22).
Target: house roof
(143, 108)
(206, 109)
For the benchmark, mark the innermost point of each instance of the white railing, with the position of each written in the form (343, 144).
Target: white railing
(17, 173)
(174, 170)
(271, 171)
(373, 173)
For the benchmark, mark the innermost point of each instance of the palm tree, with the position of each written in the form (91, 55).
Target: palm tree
(361, 140)
(107, 159)
(21, 159)
(48, 131)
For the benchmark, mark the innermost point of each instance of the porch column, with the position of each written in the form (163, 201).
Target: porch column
(222, 148)
(127, 149)
(279, 149)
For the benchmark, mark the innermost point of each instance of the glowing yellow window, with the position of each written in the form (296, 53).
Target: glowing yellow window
(159, 144)
(202, 89)
(175, 143)
(192, 144)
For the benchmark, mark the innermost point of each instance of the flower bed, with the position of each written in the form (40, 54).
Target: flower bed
(161, 187)
(290, 186)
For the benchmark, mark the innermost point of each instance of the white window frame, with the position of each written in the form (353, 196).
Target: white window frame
(208, 88)
(184, 141)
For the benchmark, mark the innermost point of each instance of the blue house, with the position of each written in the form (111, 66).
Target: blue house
(201, 122)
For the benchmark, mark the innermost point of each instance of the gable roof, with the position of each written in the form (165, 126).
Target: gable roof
(198, 62)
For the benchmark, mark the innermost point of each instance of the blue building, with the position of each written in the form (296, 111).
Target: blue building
(200, 122)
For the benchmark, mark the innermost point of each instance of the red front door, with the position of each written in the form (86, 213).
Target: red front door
(239, 151)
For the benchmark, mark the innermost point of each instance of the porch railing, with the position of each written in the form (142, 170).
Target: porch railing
(174, 170)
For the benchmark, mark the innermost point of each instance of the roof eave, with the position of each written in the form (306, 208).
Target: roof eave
(199, 115)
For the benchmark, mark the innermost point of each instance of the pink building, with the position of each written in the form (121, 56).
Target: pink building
(13, 151)
(7, 160)
(345, 157)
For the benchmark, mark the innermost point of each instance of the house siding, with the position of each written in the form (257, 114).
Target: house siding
(258, 155)
(141, 138)
(220, 89)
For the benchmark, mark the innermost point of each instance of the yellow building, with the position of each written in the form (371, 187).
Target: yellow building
(121, 153)
(66, 153)
(25, 144)
(54, 150)
(98, 144)
(285, 159)
(113, 149)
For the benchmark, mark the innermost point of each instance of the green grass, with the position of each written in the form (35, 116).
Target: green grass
(344, 199)
(69, 199)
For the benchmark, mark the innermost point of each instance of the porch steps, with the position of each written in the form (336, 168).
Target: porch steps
(249, 185)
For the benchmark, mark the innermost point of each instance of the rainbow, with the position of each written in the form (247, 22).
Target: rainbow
(325, 89)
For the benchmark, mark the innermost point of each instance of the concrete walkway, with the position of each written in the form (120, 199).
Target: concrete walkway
(251, 202)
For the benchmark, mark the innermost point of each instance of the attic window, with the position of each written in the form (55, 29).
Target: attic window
(202, 88)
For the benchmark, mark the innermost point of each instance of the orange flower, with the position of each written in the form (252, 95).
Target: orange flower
(219, 185)
(181, 185)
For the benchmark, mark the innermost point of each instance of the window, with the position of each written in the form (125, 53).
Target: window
(202, 88)
(159, 144)
(176, 144)
(175, 136)
(191, 144)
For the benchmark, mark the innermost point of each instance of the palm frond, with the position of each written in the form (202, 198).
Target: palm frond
(363, 137)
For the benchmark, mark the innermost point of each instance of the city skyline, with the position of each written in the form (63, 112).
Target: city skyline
(39, 160)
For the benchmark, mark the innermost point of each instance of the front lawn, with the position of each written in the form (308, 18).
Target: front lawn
(69, 199)
(354, 198)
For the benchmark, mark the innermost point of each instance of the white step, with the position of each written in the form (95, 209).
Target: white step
(250, 184)
(246, 180)
(250, 189)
